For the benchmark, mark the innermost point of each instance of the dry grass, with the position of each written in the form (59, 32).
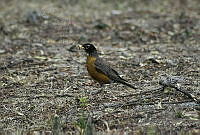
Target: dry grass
(44, 86)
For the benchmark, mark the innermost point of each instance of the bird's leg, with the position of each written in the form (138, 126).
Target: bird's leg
(100, 86)
(97, 91)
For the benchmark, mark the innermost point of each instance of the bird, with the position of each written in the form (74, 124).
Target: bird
(100, 70)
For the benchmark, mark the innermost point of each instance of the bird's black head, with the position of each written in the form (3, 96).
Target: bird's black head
(90, 49)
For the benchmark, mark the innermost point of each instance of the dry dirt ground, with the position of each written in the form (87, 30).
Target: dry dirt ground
(45, 88)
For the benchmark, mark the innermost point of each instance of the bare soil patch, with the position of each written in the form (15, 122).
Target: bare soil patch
(44, 85)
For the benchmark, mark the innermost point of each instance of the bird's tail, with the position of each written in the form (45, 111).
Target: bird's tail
(127, 84)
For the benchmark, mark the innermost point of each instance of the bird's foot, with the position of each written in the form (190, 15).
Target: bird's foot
(95, 92)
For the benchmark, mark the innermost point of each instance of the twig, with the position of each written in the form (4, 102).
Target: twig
(142, 93)
(14, 63)
(64, 95)
(43, 96)
(151, 103)
(172, 81)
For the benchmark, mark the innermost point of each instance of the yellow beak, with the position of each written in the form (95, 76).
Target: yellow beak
(80, 46)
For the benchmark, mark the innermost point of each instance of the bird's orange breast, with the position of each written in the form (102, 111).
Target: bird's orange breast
(99, 77)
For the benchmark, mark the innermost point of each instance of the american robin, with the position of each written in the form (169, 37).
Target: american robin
(100, 70)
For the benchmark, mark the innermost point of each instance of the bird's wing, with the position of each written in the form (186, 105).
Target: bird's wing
(103, 67)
